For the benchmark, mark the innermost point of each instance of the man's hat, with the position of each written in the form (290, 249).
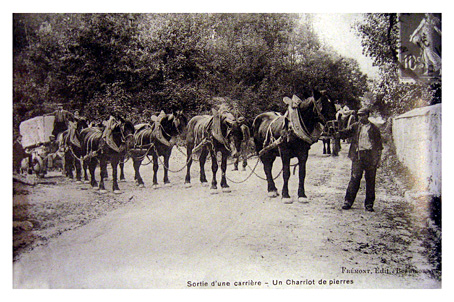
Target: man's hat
(363, 111)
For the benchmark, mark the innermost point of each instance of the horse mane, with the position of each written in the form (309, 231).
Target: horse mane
(223, 108)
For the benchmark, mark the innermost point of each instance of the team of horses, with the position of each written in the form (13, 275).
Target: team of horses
(287, 136)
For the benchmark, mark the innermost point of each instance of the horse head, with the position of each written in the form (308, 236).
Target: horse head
(227, 130)
(119, 134)
(174, 124)
(307, 118)
(127, 132)
(326, 109)
(166, 127)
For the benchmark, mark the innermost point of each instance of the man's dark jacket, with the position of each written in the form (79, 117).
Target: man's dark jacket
(374, 135)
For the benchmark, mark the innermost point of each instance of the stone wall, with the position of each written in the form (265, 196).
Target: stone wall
(417, 137)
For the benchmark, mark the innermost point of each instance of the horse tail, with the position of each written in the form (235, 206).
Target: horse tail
(255, 132)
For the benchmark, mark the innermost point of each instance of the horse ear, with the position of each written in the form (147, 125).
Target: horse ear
(296, 99)
(287, 100)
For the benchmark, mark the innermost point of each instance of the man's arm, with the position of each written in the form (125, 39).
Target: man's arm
(346, 133)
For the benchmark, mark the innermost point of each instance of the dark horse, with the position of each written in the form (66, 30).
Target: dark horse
(156, 139)
(69, 142)
(291, 135)
(244, 147)
(328, 136)
(219, 132)
(110, 144)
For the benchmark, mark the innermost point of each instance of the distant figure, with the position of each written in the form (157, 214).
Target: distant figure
(77, 116)
(365, 152)
(62, 117)
(426, 36)
(19, 154)
(52, 153)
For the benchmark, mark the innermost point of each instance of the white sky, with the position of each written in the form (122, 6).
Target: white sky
(335, 30)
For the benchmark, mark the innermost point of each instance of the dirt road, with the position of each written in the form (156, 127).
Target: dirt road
(178, 237)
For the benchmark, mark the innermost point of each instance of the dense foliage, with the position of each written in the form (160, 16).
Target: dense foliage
(138, 64)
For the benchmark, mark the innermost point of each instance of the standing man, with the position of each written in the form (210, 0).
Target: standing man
(62, 117)
(365, 152)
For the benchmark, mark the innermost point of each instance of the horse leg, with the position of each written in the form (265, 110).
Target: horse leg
(328, 146)
(268, 166)
(187, 180)
(78, 170)
(286, 176)
(302, 158)
(166, 168)
(235, 164)
(92, 167)
(85, 166)
(336, 146)
(214, 169)
(103, 173)
(69, 165)
(122, 169)
(155, 169)
(137, 163)
(202, 160)
(224, 185)
(114, 163)
(324, 146)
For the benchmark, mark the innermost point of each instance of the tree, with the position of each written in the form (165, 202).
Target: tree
(139, 64)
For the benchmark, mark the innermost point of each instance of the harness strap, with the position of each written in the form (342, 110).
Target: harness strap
(270, 132)
(299, 127)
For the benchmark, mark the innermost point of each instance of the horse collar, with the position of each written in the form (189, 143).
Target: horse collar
(299, 128)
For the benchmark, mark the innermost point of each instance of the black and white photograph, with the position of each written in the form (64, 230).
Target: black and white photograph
(226, 150)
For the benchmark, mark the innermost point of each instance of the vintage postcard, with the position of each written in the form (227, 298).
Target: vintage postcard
(227, 150)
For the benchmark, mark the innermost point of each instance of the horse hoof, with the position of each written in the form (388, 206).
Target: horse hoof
(155, 186)
(204, 184)
(303, 200)
(141, 186)
(187, 185)
(213, 191)
(123, 180)
(78, 182)
(167, 185)
(102, 191)
(273, 194)
(117, 192)
(287, 200)
(86, 182)
(226, 190)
